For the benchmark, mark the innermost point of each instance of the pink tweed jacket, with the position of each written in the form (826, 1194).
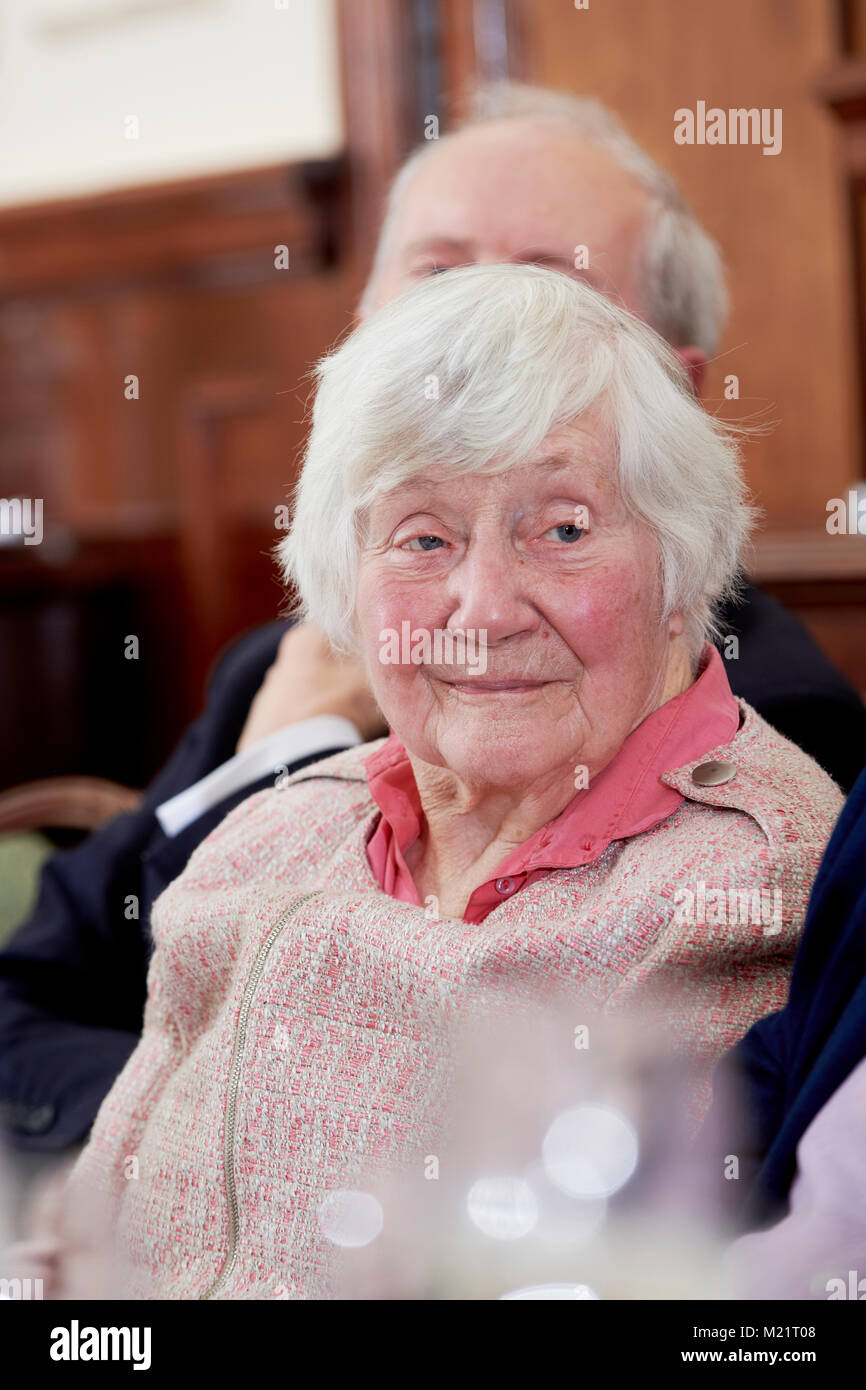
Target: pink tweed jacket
(296, 1015)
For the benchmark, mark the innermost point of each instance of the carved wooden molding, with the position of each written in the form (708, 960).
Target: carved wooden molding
(844, 89)
(177, 230)
(799, 555)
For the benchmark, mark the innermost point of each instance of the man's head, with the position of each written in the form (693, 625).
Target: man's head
(534, 175)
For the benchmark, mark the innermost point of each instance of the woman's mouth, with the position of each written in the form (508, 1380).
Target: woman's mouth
(486, 687)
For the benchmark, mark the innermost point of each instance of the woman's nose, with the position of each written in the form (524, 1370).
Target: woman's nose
(491, 585)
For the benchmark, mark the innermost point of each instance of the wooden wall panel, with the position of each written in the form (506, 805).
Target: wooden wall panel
(158, 511)
(781, 219)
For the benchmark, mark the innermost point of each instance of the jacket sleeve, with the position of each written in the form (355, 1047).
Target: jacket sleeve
(73, 977)
(749, 1092)
(789, 1064)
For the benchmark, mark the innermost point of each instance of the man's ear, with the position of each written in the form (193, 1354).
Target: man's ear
(695, 363)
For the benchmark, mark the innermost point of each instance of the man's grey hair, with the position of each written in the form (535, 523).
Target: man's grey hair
(681, 272)
(468, 373)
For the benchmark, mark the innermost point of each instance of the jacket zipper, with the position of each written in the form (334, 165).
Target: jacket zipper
(234, 1085)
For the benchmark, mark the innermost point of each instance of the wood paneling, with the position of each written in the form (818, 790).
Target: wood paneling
(377, 61)
(781, 220)
(843, 91)
(482, 41)
(178, 287)
(852, 26)
(159, 509)
(211, 230)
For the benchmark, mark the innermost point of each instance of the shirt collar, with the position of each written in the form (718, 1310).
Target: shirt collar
(626, 798)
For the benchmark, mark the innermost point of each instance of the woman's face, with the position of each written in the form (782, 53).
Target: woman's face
(576, 654)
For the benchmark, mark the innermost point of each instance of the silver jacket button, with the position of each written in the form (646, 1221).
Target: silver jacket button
(713, 774)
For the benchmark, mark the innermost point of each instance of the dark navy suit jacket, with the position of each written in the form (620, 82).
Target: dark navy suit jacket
(788, 1065)
(73, 977)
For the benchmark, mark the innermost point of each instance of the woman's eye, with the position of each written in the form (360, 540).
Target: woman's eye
(567, 531)
(423, 543)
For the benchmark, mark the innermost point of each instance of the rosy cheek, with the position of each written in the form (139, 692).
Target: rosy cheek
(603, 609)
(385, 601)
(599, 596)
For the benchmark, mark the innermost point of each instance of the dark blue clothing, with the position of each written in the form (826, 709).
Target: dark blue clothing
(73, 978)
(789, 1065)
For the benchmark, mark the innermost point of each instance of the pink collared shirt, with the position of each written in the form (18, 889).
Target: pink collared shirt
(626, 798)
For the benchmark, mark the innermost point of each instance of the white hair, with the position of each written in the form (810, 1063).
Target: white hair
(680, 272)
(469, 372)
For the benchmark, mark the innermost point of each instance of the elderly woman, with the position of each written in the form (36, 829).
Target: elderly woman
(513, 508)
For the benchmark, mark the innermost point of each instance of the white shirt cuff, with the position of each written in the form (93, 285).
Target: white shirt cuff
(271, 754)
